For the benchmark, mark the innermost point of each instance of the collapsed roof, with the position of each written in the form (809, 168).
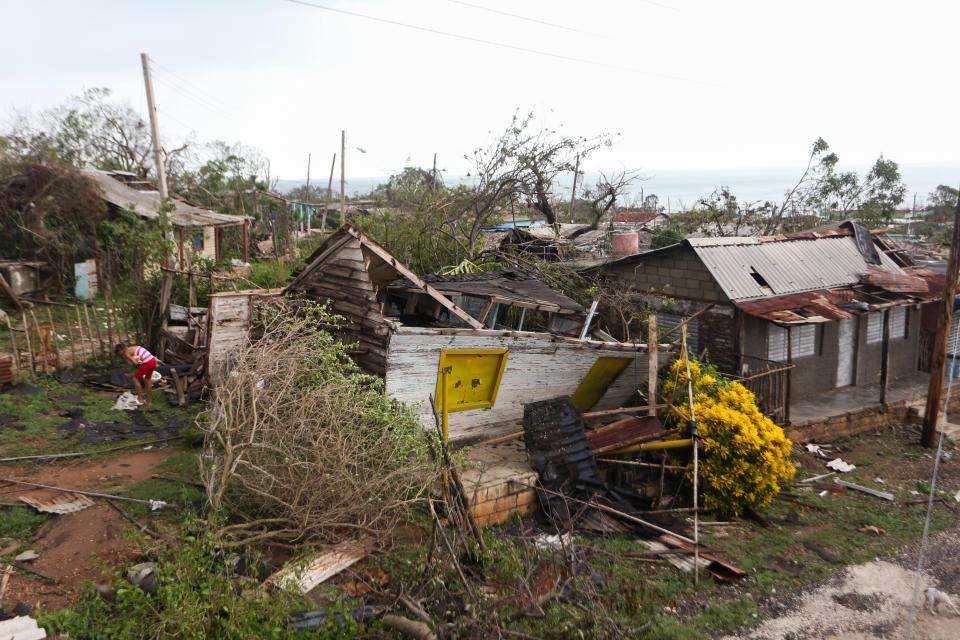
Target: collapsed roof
(513, 288)
(810, 276)
(125, 190)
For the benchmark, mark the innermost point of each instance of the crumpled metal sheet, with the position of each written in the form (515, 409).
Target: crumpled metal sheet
(60, 504)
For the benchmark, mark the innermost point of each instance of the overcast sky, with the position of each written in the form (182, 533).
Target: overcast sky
(688, 83)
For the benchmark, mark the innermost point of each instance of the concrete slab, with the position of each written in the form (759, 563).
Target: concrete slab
(912, 389)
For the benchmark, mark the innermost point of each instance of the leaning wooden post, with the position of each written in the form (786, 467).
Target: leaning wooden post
(13, 342)
(83, 339)
(885, 357)
(73, 346)
(653, 348)
(931, 416)
(41, 345)
(26, 332)
(96, 324)
(53, 327)
(106, 311)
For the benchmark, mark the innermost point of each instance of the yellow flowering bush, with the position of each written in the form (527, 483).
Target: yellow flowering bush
(746, 457)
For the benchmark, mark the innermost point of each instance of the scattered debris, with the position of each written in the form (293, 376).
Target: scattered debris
(815, 478)
(837, 464)
(553, 541)
(879, 481)
(95, 494)
(307, 620)
(126, 402)
(59, 504)
(21, 628)
(829, 487)
(143, 575)
(367, 580)
(139, 429)
(321, 566)
(26, 556)
(557, 450)
(883, 495)
(819, 450)
(870, 528)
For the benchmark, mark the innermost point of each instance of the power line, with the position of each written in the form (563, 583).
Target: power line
(188, 94)
(189, 85)
(526, 18)
(494, 43)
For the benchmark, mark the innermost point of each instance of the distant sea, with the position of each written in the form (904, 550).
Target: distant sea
(681, 188)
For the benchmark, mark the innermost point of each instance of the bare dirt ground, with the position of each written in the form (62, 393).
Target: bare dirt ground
(77, 548)
(874, 600)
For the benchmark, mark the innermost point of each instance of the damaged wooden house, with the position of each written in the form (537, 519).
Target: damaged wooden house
(402, 323)
(824, 326)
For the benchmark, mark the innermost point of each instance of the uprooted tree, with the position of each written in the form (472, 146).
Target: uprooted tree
(301, 446)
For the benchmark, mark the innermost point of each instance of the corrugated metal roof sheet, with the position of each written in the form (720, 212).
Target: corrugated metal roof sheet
(146, 203)
(747, 268)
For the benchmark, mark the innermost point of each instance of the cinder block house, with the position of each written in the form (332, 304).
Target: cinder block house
(812, 306)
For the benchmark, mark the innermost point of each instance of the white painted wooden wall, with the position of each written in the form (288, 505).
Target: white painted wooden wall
(538, 368)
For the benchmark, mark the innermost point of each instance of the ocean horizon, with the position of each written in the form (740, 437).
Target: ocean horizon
(678, 189)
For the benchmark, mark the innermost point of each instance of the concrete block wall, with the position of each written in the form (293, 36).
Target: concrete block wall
(861, 421)
(676, 273)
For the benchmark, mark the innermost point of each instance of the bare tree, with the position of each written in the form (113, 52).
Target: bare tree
(607, 192)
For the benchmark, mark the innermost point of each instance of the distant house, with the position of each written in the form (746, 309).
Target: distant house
(638, 220)
(197, 231)
(812, 303)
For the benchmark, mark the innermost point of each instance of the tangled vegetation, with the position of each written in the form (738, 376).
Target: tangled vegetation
(746, 456)
(302, 446)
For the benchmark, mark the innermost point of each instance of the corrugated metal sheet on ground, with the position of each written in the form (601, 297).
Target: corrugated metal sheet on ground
(60, 503)
(791, 266)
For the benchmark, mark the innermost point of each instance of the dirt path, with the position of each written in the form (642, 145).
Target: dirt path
(873, 600)
(78, 548)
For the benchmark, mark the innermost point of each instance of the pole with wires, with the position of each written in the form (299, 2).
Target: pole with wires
(695, 438)
(912, 619)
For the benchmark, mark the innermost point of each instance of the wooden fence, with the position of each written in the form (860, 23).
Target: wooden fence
(83, 331)
(770, 382)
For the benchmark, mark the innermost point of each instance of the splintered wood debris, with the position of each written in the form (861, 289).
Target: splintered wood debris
(322, 566)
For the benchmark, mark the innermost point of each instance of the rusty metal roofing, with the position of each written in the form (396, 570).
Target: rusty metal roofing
(60, 503)
(624, 433)
(748, 268)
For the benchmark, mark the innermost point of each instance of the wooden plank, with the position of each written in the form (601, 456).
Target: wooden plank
(322, 566)
(537, 369)
(389, 259)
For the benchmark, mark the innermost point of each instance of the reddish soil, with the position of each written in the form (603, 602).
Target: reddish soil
(78, 548)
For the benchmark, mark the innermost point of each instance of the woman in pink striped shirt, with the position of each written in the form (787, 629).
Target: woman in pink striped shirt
(145, 362)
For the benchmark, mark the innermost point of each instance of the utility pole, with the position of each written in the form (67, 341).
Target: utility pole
(326, 207)
(343, 176)
(573, 189)
(433, 174)
(932, 413)
(154, 127)
(306, 196)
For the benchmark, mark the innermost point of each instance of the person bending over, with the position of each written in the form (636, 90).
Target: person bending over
(145, 362)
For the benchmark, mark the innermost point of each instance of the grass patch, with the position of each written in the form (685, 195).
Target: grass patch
(21, 523)
(35, 430)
